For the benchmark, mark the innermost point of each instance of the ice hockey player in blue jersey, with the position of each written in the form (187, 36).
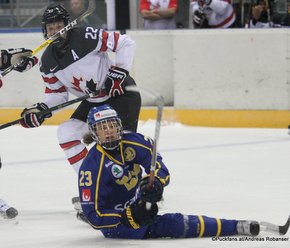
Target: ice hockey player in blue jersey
(113, 190)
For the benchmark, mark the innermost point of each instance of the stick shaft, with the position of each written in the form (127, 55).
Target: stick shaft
(57, 107)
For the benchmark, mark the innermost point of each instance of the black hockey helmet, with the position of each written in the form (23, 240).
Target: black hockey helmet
(54, 13)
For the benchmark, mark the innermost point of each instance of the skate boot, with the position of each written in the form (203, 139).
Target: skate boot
(76, 203)
(82, 217)
(6, 211)
(247, 227)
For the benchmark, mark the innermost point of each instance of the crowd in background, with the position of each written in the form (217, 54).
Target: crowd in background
(172, 14)
(160, 14)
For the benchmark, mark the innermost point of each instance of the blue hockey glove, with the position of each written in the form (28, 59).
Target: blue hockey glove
(31, 116)
(136, 215)
(114, 84)
(151, 194)
(12, 56)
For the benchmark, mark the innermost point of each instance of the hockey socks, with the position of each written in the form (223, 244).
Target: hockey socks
(190, 226)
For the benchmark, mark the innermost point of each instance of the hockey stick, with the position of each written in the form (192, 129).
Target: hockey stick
(90, 10)
(282, 230)
(57, 107)
(160, 103)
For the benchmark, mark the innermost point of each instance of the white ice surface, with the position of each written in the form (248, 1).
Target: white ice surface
(229, 173)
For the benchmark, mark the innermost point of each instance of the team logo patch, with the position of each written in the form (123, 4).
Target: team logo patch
(117, 171)
(129, 153)
(86, 195)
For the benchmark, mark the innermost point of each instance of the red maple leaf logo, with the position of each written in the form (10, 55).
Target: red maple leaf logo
(76, 84)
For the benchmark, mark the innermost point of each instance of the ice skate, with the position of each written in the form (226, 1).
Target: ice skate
(246, 227)
(82, 217)
(6, 211)
(77, 204)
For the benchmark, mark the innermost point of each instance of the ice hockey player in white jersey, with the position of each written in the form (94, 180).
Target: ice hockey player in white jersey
(212, 14)
(78, 63)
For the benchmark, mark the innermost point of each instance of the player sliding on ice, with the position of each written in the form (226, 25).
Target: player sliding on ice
(113, 192)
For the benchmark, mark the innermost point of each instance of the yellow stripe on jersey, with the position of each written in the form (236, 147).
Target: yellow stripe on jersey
(97, 191)
(163, 180)
(202, 227)
(101, 149)
(219, 227)
(137, 144)
(108, 226)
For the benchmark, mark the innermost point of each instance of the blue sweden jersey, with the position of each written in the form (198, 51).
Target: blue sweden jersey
(108, 183)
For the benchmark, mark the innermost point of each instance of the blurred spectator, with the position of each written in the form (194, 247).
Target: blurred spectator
(282, 19)
(77, 8)
(261, 14)
(159, 14)
(212, 14)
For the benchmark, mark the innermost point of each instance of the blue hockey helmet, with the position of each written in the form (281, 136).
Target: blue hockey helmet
(105, 126)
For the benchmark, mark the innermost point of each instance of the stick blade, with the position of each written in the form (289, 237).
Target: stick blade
(284, 229)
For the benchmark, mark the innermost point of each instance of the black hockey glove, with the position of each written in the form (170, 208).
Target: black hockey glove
(31, 116)
(114, 84)
(199, 19)
(151, 194)
(13, 56)
(137, 215)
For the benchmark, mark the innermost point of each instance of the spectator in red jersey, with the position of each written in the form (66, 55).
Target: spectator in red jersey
(158, 14)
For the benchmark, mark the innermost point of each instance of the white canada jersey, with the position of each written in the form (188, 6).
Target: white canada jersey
(85, 59)
(219, 14)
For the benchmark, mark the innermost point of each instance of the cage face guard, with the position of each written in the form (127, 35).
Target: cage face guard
(105, 126)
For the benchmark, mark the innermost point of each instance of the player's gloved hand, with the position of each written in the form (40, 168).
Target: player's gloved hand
(31, 116)
(114, 84)
(13, 56)
(136, 215)
(198, 18)
(151, 194)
